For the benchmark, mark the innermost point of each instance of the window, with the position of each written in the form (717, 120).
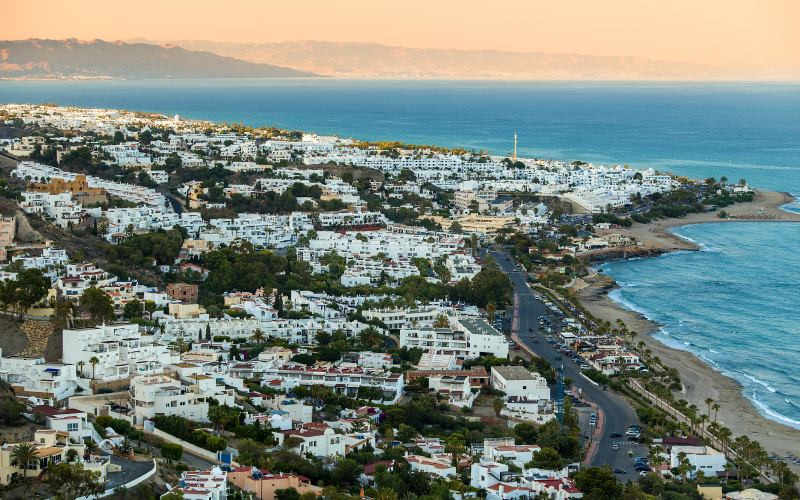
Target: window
(72, 427)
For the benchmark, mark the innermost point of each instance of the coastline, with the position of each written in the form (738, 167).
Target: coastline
(700, 380)
(656, 237)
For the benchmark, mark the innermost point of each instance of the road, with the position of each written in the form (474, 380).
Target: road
(615, 415)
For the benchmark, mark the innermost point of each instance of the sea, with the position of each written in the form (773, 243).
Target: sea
(734, 304)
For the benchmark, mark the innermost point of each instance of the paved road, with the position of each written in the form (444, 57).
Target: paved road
(616, 414)
(131, 469)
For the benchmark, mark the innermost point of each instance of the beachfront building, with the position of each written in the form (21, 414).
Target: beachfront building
(703, 459)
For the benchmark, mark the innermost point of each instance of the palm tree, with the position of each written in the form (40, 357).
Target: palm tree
(80, 365)
(24, 454)
(683, 465)
(715, 407)
(708, 405)
(258, 336)
(93, 361)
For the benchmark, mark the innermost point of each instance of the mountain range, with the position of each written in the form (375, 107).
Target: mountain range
(37, 58)
(384, 61)
(141, 59)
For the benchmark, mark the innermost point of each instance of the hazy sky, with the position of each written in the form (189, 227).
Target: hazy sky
(758, 32)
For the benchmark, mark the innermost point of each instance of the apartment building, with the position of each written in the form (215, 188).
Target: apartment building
(78, 187)
(121, 351)
(342, 380)
(467, 338)
(153, 395)
(30, 376)
(517, 381)
(60, 208)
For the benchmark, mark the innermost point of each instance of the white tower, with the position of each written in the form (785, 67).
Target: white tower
(515, 145)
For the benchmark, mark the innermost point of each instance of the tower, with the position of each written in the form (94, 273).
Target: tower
(515, 146)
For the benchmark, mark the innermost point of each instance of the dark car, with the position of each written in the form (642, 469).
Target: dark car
(616, 435)
(619, 470)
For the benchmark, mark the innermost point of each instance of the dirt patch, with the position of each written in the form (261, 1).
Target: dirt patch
(19, 434)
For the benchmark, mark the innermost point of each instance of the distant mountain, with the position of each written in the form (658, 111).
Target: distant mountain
(375, 60)
(72, 58)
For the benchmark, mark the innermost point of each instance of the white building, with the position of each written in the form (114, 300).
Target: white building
(315, 438)
(518, 381)
(342, 380)
(202, 485)
(701, 458)
(457, 389)
(38, 378)
(120, 349)
(433, 466)
(469, 338)
(160, 395)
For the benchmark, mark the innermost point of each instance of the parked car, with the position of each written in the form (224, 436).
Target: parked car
(619, 470)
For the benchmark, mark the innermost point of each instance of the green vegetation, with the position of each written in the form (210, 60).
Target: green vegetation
(70, 481)
(189, 431)
(142, 250)
(20, 294)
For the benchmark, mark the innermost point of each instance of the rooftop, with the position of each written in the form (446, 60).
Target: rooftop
(514, 372)
(478, 326)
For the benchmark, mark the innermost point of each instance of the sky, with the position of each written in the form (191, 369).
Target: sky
(716, 32)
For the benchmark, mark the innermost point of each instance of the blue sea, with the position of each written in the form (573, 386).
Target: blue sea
(733, 304)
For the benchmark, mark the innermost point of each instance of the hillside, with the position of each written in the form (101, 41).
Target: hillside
(72, 58)
(376, 60)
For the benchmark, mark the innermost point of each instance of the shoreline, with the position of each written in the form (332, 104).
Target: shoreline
(700, 379)
(656, 237)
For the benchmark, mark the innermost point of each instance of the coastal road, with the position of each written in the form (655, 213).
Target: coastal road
(615, 415)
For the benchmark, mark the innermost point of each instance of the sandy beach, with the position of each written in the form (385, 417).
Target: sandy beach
(656, 236)
(700, 380)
